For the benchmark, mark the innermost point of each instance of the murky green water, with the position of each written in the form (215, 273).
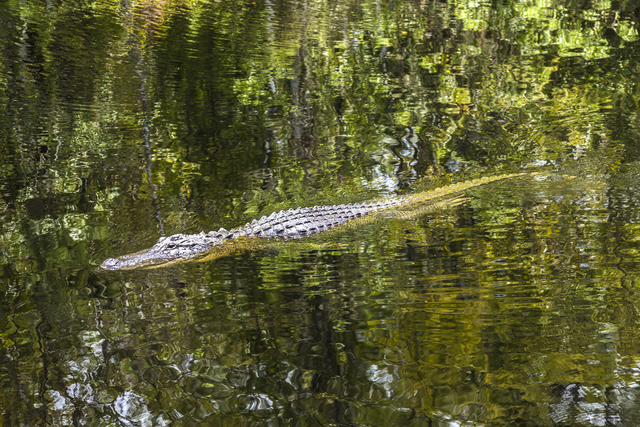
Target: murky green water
(124, 121)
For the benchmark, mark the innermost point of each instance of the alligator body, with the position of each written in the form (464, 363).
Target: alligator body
(284, 225)
(289, 224)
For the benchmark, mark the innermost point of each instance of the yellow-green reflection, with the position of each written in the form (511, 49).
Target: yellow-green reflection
(121, 119)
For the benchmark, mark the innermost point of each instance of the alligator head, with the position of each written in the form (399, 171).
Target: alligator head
(176, 247)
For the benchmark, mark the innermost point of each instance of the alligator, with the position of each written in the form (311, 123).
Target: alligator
(290, 224)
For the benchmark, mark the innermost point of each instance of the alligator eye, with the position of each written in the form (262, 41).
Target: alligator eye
(171, 246)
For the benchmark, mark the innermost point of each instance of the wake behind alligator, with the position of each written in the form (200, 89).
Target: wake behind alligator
(289, 224)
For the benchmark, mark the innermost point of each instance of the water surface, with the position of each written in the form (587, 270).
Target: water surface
(122, 122)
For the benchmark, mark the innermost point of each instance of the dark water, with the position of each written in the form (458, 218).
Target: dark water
(123, 121)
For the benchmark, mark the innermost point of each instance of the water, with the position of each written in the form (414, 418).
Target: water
(120, 122)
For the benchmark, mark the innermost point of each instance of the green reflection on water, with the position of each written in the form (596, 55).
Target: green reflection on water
(517, 308)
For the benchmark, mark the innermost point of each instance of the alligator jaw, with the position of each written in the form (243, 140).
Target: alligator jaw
(114, 263)
(167, 249)
(131, 261)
